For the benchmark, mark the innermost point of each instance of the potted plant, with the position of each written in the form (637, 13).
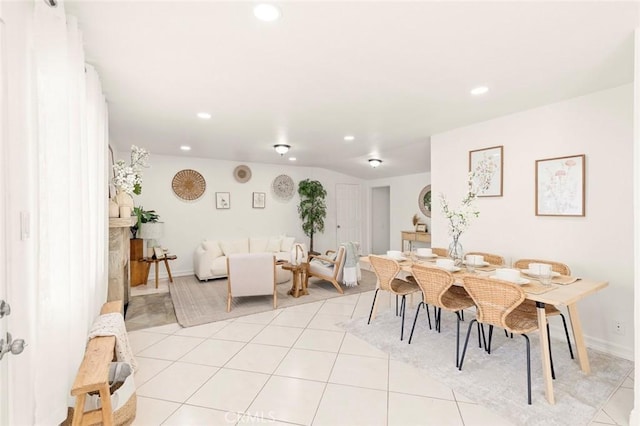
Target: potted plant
(144, 216)
(312, 208)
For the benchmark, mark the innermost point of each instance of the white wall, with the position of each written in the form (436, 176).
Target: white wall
(404, 191)
(187, 223)
(599, 245)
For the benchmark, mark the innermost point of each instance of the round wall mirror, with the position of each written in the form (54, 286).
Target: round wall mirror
(424, 201)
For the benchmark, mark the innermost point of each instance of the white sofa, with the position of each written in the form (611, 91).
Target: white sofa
(210, 257)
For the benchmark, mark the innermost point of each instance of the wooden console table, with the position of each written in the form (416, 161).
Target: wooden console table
(155, 261)
(411, 236)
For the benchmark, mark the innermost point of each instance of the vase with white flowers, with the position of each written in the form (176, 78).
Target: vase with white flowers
(128, 179)
(460, 218)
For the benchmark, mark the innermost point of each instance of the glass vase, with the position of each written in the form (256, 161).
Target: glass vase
(455, 251)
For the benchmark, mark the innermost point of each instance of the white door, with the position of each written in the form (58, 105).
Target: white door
(380, 218)
(348, 220)
(4, 364)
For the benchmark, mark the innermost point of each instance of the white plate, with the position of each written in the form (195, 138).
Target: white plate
(453, 269)
(520, 280)
(534, 275)
(483, 263)
(429, 256)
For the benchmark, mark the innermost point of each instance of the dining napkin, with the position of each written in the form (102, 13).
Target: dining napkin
(535, 287)
(564, 280)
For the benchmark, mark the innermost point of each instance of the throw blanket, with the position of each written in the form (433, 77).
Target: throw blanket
(113, 325)
(351, 268)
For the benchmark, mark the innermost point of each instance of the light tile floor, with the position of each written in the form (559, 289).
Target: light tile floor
(294, 366)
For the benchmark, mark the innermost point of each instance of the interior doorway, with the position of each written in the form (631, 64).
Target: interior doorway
(380, 219)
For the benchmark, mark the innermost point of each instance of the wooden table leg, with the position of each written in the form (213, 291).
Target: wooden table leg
(544, 353)
(156, 262)
(581, 349)
(166, 264)
(303, 283)
(296, 284)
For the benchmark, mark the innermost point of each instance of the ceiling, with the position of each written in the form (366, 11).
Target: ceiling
(389, 73)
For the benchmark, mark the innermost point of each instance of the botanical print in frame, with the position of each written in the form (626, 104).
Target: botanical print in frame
(560, 186)
(488, 161)
(259, 200)
(223, 200)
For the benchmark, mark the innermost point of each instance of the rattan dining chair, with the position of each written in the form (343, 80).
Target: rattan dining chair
(493, 259)
(550, 310)
(437, 287)
(442, 252)
(497, 304)
(387, 270)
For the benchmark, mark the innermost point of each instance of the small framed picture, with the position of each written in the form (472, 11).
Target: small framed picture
(158, 252)
(421, 227)
(223, 200)
(487, 165)
(259, 200)
(560, 186)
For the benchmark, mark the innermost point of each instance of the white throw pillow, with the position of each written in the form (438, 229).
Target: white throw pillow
(273, 245)
(213, 247)
(235, 246)
(258, 245)
(287, 243)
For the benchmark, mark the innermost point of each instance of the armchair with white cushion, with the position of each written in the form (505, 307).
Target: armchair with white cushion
(327, 267)
(251, 274)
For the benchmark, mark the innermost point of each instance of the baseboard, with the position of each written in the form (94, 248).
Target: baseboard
(557, 332)
(163, 274)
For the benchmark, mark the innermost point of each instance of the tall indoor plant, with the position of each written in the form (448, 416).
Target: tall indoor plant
(312, 208)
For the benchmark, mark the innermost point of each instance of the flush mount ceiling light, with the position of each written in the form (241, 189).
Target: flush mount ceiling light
(185, 148)
(281, 148)
(266, 12)
(204, 115)
(374, 162)
(480, 90)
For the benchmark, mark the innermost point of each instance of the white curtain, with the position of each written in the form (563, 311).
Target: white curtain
(71, 219)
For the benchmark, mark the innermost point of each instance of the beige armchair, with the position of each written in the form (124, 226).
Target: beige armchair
(251, 274)
(327, 268)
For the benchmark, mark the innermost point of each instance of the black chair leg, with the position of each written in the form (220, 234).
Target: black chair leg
(490, 337)
(373, 304)
(438, 320)
(402, 306)
(528, 369)
(466, 342)
(553, 373)
(459, 318)
(566, 333)
(428, 315)
(416, 319)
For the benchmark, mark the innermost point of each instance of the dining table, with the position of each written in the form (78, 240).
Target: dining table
(562, 291)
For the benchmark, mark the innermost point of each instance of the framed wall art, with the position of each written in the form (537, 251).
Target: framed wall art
(488, 162)
(560, 186)
(223, 200)
(259, 200)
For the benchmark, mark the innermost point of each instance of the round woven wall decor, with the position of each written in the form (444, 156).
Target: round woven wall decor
(242, 174)
(283, 187)
(188, 184)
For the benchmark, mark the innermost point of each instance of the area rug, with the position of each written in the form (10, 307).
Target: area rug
(498, 380)
(149, 310)
(198, 302)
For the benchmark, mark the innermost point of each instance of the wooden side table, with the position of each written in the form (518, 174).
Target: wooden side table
(155, 261)
(299, 287)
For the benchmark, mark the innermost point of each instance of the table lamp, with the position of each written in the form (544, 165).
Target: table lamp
(152, 232)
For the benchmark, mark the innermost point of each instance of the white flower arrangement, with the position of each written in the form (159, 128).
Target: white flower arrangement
(128, 178)
(460, 219)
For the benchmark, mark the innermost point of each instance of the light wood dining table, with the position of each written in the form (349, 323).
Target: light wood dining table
(558, 294)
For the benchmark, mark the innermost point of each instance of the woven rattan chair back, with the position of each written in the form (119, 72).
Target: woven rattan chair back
(494, 299)
(493, 259)
(558, 267)
(442, 252)
(385, 269)
(434, 282)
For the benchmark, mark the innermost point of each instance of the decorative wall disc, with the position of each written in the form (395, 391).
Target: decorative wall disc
(188, 184)
(242, 173)
(283, 187)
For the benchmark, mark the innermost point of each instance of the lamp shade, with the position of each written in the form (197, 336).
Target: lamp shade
(151, 230)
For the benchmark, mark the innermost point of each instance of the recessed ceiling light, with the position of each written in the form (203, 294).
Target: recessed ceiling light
(480, 90)
(266, 12)
(185, 148)
(349, 138)
(204, 115)
(292, 158)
